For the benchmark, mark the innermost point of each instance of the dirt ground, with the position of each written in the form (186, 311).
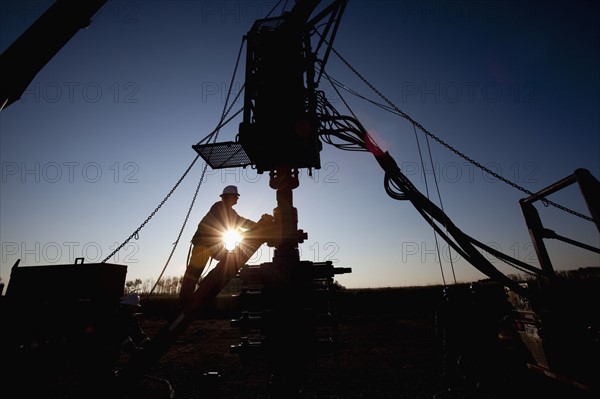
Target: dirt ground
(387, 348)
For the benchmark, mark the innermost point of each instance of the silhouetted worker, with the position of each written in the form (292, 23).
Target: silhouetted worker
(131, 335)
(208, 239)
(122, 336)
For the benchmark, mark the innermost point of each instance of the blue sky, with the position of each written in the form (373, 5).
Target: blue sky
(105, 130)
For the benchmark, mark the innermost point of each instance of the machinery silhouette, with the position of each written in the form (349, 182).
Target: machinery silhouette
(286, 314)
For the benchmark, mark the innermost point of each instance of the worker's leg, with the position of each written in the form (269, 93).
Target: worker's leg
(197, 263)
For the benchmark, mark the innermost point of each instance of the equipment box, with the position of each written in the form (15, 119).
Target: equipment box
(98, 282)
(60, 302)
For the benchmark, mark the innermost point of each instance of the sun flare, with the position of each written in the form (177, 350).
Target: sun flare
(231, 239)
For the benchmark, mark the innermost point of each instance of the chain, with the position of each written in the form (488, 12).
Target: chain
(274, 7)
(187, 216)
(214, 133)
(136, 232)
(449, 147)
(235, 68)
(226, 109)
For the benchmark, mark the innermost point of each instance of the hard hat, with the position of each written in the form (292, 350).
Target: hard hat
(131, 300)
(230, 190)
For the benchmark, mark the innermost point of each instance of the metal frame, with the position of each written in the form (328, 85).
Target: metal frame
(590, 189)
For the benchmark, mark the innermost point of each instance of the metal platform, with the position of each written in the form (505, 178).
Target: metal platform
(228, 154)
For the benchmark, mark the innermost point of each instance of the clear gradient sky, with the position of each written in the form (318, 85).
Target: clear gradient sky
(106, 128)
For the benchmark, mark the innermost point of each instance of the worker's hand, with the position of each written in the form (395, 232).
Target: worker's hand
(266, 218)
